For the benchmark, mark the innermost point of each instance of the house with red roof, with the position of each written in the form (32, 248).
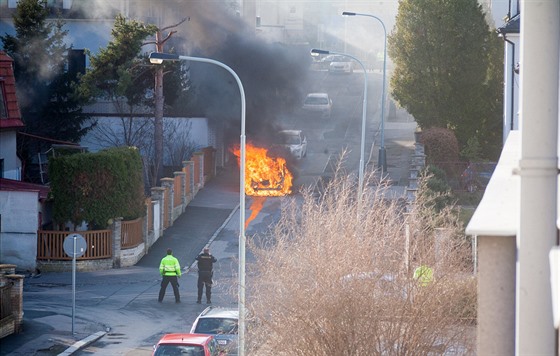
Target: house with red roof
(22, 205)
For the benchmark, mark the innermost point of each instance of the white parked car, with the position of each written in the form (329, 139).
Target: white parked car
(341, 64)
(294, 141)
(318, 103)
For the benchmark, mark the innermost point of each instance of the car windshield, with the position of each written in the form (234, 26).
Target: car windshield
(290, 140)
(341, 59)
(216, 326)
(178, 349)
(314, 100)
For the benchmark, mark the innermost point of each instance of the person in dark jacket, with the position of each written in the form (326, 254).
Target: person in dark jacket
(205, 273)
(170, 270)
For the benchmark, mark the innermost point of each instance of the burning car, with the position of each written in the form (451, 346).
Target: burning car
(265, 175)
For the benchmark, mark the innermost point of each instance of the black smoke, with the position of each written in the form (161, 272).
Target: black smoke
(273, 75)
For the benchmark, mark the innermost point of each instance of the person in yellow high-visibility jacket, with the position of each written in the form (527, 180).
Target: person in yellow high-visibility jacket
(170, 270)
(424, 275)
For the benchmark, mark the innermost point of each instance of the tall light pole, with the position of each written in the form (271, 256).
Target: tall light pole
(315, 52)
(158, 58)
(382, 159)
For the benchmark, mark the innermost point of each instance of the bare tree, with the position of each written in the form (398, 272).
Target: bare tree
(179, 145)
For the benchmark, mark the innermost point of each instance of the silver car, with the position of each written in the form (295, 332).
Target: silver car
(318, 103)
(294, 141)
(220, 322)
(341, 64)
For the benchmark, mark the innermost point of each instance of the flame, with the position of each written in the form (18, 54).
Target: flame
(255, 208)
(264, 176)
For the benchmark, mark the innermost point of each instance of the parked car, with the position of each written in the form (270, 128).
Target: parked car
(220, 322)
(318, 103)
(477, 175)
(341, 64)
(294, 141)
(187, 344)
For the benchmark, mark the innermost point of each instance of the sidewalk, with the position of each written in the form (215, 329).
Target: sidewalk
(112, 305)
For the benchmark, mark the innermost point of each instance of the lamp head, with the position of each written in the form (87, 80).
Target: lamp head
(315, 52)
(158, 58)
(348, 13)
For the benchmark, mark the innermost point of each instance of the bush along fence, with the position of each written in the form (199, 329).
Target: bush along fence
(124, 243)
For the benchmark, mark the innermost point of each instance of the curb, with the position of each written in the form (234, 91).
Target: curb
(83, 343)
(214, 236)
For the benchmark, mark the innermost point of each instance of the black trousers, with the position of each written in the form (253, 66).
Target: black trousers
(174, 283)
(205, 279)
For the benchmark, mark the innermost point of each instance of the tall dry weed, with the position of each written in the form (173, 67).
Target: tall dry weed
(331, 280)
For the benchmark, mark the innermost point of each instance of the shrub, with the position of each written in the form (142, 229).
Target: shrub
(96, 187)
(329, 279)
(441, 148)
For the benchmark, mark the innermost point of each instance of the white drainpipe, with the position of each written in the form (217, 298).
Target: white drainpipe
(540, 47)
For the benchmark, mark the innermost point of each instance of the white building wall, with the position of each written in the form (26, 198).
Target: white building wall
(199, 132)
(19, 214)
(12, 164)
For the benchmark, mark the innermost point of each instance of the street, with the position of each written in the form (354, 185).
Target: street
(122, 303)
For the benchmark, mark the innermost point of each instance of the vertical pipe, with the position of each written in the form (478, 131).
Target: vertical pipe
(540, 47)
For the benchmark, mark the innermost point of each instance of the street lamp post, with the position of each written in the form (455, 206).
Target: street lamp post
(158, 58)
(315, 52)
(382, 159)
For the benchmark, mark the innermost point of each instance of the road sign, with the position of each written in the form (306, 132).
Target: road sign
(75, 245)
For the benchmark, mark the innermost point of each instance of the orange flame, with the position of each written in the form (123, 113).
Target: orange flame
(264, 176)
(255, 208)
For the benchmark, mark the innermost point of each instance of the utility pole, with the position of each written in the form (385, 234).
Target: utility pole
(157, 171)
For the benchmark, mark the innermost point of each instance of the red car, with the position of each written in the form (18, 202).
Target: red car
(187, 344)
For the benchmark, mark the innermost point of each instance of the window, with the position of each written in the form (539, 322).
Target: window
(3, 108)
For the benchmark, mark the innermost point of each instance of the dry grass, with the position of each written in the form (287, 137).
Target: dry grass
(329, 280)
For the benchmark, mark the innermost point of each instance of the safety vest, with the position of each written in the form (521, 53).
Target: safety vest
(424, 275)
(169, 266)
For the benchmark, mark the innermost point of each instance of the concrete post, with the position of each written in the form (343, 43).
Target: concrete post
(496, 295)
(182, 176)
(539, 73)
(201, 170)
(145, 227)
(116, 227)
(168, 184)
(157, 195)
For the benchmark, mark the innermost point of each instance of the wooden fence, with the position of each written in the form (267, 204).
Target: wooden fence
(131, 233)
(50, 245)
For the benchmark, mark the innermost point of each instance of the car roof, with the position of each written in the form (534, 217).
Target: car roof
(290, 132)
(184, 338)
(318, 95)
(218, 312)
(339, 58)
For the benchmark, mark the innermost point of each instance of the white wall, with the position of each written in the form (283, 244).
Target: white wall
(199, 132)
(12, 164)
(18, 228)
